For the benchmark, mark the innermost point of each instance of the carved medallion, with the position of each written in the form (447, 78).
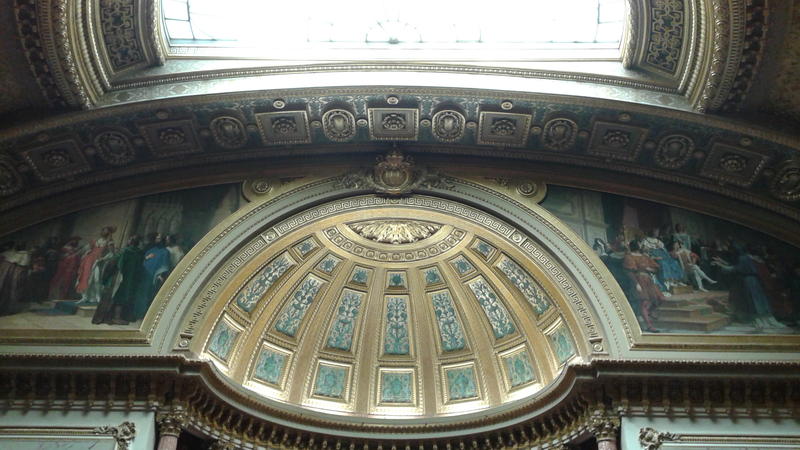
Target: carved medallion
(284, 127)
(785, 184)
(114, 148)
(734, 165)
(506, 129)
(448, 126)
(616, 140)
(170, 138)
(339, 125)
(228, 132)
(674, 151)
(394, 124)
(559, 134)
(57, 160)
(395, 231)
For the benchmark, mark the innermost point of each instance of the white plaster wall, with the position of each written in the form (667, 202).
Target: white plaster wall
(704, 425)
(144, 420)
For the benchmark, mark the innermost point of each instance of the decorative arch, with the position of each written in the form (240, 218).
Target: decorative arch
(203, 292)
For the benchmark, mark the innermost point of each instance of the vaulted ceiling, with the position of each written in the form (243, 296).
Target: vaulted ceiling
(97, 106)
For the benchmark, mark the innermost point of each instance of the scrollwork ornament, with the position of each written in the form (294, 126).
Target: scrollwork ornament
(448, 125)
(228, 132)
(559, 134)
(10, 180)
(339, 125)
(651, 439)
(674, 151)
(123, 433)
(114, 148)
(785, 184)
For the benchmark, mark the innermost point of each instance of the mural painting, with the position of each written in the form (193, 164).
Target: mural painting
(104, 265)
(684, 272)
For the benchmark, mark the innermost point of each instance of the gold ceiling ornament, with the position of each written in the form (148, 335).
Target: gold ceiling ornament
(394, 231)
(394, 174)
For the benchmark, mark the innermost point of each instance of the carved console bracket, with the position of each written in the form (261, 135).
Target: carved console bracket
(123, 433)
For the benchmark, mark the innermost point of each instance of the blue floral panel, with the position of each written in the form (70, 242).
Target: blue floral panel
(395, 340)
(330, 381)
(432, 276)
(328, 264)
(269, 367)
(461, 383)
(449, 327)
(498, 317)
(341, 334)
(306, 247)
(289, 320)
(462, 265)
(360, 276)
(562, 343)
(484, 249)
(526, 285)
(253, 292)
(222, 340)
(396, 280)
(397, 387)
(519, 369)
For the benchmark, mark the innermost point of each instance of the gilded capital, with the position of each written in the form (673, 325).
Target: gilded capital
(605, 427)
(171, 423)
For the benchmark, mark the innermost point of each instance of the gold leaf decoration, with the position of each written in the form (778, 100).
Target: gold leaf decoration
(395, 231)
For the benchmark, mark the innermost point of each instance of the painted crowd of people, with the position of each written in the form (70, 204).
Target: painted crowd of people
(763, 288)
(121, 283)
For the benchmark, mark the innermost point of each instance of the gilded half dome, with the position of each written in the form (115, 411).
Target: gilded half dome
(410, 308)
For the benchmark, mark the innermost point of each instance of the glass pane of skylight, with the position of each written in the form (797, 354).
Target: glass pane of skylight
(360, 24)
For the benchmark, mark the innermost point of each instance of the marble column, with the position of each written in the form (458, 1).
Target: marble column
(170, 425)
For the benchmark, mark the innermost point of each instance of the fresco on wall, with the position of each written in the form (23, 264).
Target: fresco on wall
(684, 272)
(103, 266)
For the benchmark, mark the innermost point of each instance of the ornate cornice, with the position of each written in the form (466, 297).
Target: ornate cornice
(214, 408)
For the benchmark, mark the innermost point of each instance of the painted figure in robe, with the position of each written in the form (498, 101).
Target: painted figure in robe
(641, 268)
(96, 250)
(63, 282)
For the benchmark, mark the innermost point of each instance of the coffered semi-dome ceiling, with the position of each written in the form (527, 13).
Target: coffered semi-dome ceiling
(394, 310)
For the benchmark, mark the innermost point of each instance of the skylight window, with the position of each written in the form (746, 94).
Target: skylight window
(394, 27)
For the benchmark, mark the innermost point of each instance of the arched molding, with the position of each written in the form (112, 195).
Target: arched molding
(237, 242)
(697, 49)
